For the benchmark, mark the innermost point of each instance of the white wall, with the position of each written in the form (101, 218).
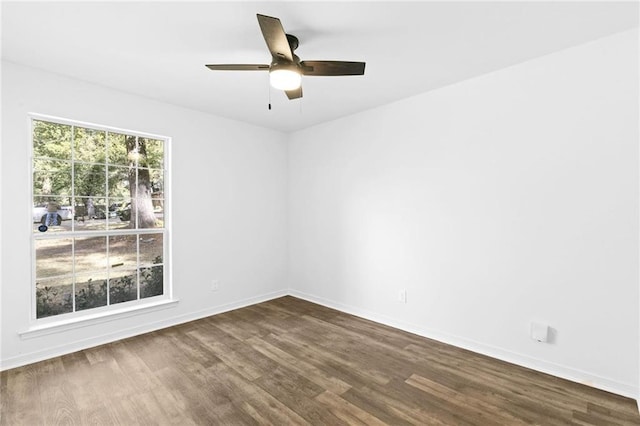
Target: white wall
(229, 207)
(505, 199)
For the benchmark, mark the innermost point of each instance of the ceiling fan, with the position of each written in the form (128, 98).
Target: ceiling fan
(286, 68)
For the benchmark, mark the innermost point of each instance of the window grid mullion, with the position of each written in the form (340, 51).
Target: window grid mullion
(107, 233)
(73, 278)
(138, 278)
(137, 186)
(73, 224)
(106, 197)
(73, 184)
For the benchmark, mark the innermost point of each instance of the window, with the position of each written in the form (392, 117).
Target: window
(99, 224)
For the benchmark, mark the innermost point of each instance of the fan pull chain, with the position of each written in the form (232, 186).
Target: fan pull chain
(269, 97)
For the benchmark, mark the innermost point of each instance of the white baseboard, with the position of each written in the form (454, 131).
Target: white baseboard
(564, 372)
(29, 358)
(561, 371)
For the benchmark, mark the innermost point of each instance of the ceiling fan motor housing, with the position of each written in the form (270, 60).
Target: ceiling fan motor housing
(283, 66)
(293, 42)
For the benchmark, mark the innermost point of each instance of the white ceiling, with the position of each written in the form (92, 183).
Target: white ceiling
(159, 49)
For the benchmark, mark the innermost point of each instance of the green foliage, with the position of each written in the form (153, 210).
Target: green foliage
(91, 296)
(122, 289)
(90, 180)
(152, 153)
(49, 301)
(152, 279)
(52, 165)
(118, 153)
(51, 140)
(51, 177)
(90, 146)
(101, 160)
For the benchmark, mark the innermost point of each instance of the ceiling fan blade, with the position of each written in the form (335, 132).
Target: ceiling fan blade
(275, 37)
(238, 67)
(294, 94)
(320, 68)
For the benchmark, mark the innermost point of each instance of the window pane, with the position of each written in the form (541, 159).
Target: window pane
(123, 252)
(148, 209)
(151, 281)
(91, 291)
(54, 257)
(158, 211)
(133, 153)
(51, 212)
(90, 145)
(51, 177)
(151, 153)
(44, 205)
(118, 182)
(91, 254)
(144, 214)
(53, 297)
(123, 287)
(151, 249)
(51, 140)
(157, 183)
(119, 213)
(117, 149)
(90, 214)
(90, 180)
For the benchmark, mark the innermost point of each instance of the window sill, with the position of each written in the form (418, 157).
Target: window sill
(93, 319)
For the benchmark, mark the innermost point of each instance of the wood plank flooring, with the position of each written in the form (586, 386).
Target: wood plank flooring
(291, 362)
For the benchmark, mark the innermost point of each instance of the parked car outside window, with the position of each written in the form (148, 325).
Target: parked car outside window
(124, 212)
(40, 213)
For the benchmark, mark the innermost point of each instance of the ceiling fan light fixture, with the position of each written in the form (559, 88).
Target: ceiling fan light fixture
(285, 77)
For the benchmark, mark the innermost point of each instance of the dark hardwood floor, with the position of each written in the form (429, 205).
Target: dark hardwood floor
(288, 361)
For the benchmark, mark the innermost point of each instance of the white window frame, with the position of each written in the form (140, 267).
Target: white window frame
(45, 325)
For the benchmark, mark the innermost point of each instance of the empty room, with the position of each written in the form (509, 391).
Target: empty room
(324, 213)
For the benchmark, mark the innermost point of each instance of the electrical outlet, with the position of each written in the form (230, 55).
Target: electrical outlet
(402, 296)
(215, 285)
